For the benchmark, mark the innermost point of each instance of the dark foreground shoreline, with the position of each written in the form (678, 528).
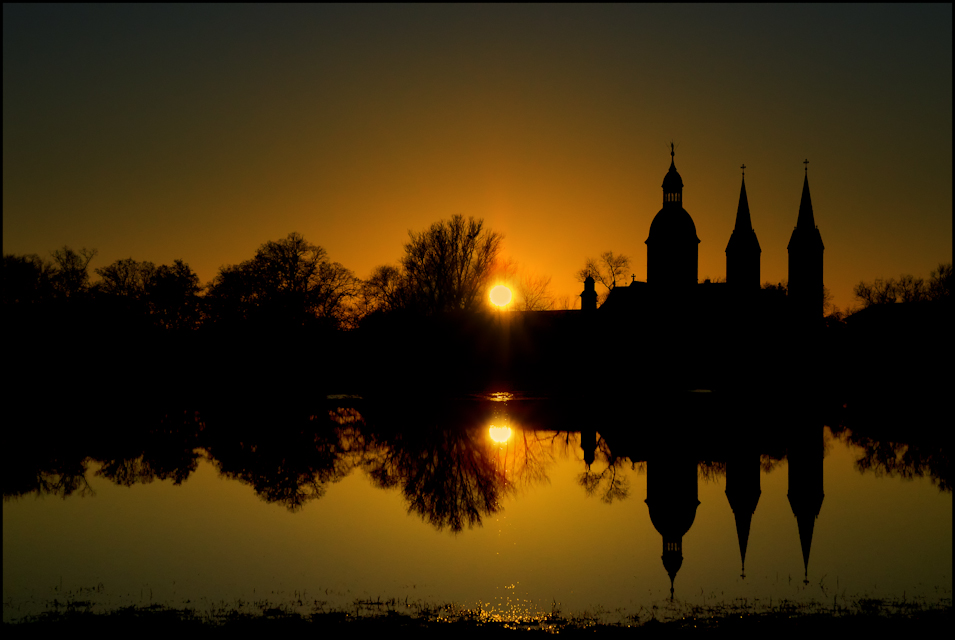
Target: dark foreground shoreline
(862, 617)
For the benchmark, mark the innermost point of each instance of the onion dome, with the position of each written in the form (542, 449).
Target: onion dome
(672, 245)
(673, 223)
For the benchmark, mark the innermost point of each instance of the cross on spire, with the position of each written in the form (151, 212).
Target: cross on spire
(672, 153)
(743, 167)
(806, 162)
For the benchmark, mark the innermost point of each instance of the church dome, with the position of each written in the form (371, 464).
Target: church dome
(672, 223)
(672, 246)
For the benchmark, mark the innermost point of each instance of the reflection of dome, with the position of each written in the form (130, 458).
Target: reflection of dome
(673, 519)
(672, 499)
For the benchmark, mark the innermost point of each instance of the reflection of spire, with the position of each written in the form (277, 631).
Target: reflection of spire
(742, 491)
(806, 522)
(805, 486)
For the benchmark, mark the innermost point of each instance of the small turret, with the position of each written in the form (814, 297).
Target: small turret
(588, 298)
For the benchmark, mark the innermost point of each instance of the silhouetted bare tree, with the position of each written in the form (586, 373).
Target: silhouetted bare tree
(173, 296)
(941, 283)
(125, 277)
(447, 267)
(70, 277)
(27, 279)
(289, 281)
(605, 270)
(168, 293)
(911, 289)
(384, 290)
(533, 293)
(907, 288)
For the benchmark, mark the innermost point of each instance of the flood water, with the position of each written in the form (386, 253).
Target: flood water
(416, 501)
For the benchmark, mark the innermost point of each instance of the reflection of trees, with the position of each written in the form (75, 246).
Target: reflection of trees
(901, 425)
(608, 484)
(453, 475)
(56, 477)
(711, 470)
(166, 450)
(884, 457)
(286, 459)
(524, 459)
(448, 476)
(132, 447)
(142, 470)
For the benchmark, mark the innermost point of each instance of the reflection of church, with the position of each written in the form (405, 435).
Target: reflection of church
(675, 433)
(673, 257)
(673, 489)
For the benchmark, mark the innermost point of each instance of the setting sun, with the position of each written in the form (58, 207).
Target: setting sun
(500, 295)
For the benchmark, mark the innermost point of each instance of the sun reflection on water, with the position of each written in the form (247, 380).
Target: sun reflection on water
(499, 434)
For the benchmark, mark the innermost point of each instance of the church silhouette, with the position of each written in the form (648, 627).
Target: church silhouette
(673, 261)
(686, 336)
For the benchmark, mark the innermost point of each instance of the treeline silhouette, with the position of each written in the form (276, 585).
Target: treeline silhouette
(289, 322)
(908, 288)
(276, 323)
(289, 283)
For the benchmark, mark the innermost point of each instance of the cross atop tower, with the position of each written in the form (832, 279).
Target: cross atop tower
(743, 167)
(806, 162)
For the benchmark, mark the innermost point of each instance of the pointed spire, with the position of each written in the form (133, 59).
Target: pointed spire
(805, 219)
(742, 250)
(743, 221)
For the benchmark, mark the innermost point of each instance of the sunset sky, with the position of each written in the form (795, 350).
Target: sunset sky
(200, 132)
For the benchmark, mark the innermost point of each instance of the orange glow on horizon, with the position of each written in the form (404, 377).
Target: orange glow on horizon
(566, 171)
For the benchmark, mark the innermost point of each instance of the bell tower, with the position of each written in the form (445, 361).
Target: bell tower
(805, 263)
(742, 251)
(672, 247)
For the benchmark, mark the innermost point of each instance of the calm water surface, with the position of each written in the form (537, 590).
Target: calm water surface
(516, 528)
